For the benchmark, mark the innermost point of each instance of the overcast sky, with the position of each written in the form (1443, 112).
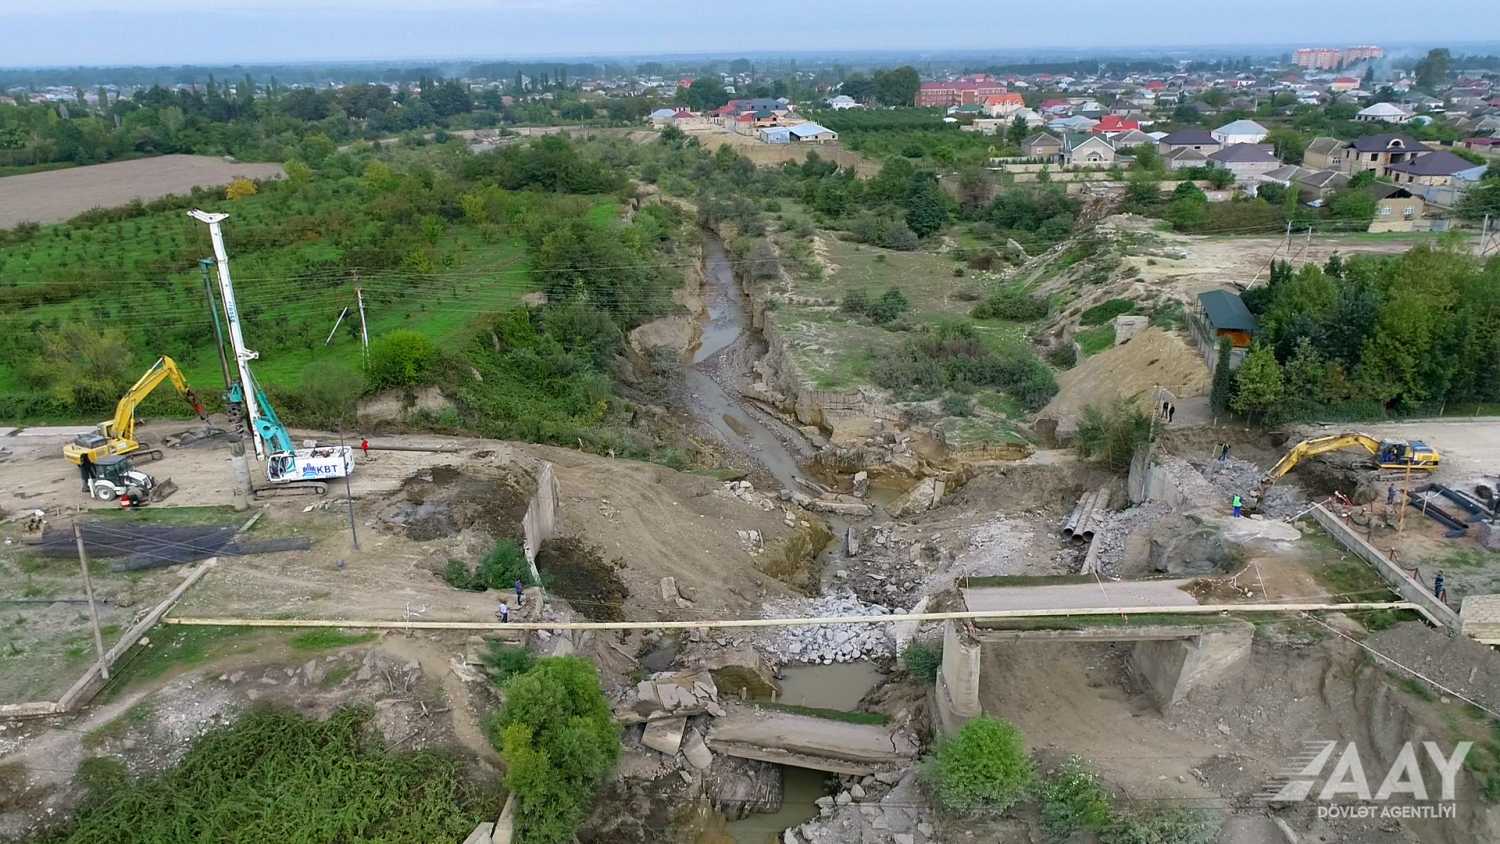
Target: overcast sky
(95, 32)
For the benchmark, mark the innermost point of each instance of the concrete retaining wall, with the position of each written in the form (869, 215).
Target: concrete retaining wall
(958, 681)
(1394, 576)
(540, 521)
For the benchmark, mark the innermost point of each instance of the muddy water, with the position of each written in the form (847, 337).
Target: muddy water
(837, 686)
(727, 341)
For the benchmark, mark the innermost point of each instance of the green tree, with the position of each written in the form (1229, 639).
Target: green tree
(1432, 70)
(83, 366)
(399, 359)
(1018, 131)
(704, 94)
(1222, 390)
(1258, 387)
(897, 87)
(1141, 191)
(559, 741)
(926, 205)
(984, 770)
(1110, 435)
(1482, 199)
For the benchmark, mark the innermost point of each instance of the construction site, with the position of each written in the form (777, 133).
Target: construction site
(1187, 626)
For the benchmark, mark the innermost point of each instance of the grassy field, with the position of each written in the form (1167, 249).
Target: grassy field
(290, 250)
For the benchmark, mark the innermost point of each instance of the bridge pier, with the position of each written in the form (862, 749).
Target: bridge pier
(958, 682)
(1172, 668)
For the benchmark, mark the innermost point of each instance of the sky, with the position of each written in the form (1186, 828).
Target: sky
(156, 32)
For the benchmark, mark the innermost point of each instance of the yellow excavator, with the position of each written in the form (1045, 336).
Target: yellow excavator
(1398, 455)
(117, 436)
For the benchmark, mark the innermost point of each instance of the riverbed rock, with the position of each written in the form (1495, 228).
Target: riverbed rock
(920, 499)
(842, 505)
(861, 483)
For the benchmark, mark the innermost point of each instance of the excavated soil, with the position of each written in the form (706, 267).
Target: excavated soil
(1133, 370)
(444, 500)
(575, 572)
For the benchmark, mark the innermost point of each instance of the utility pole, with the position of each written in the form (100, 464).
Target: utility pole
(242, 355)
(364, 332)
(88, 589)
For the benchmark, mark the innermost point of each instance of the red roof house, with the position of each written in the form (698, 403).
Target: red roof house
(1110, 124)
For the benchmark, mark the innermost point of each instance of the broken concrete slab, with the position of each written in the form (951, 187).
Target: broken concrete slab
(665, 735)
(696, 752)
(741, 670)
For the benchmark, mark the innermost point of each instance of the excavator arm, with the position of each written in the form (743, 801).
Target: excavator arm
(123, 425)
(1315, 446)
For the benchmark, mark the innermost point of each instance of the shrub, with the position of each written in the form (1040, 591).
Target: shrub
(1106, 311)
(1111, 435)
(982, 770)
(944, 356)
(559, 741)
(458, 575)
(502, 662)
(503, 566)
(1011, 305)
(956, 405)
(923, 659)
(1062, 356)
(891, 304)
(855, 302)
(400, 358)
(1074, 798)
(1168, 826)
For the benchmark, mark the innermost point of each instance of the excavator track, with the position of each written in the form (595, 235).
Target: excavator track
(292, 488)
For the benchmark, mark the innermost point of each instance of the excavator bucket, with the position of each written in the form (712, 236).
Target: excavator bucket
(163, 490)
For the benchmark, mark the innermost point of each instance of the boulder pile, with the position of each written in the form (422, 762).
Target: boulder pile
(830, 643)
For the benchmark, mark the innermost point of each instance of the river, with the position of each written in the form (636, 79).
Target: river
(727, 347)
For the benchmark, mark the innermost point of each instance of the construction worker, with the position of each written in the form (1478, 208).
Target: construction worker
(503, 612)
(1238, 505)
(1390, 495)
(520, 593)
(364, 445)
(86, 472)
(1439, 589)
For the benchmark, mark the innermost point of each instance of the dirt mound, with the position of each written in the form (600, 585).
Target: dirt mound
(444, 501)
(1132, 371)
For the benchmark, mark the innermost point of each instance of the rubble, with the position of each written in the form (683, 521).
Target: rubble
(885, 808)
(830, 643)
(745, 491)
(666, 695)
(664, 735)
(922, 497)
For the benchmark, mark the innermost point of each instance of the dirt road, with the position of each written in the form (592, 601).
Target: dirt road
(56, 195)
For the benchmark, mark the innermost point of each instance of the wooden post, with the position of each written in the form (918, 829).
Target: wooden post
(88, 589)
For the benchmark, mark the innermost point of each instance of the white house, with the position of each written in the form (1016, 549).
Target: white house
(1240, 132)
(662, 117)
(1383, 113)
(842, 102)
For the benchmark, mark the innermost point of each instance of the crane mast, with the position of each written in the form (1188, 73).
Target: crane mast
(242, 355)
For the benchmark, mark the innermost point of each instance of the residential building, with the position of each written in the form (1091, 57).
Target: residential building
(1198, 140)
(812, 133)
(662, 116)
(1240, 132)
(1076, 123)
(1132, 138)
(1080, 150)
(1441, 169)
(966, 90)
(1397, 209)
(1383, 113)
(1222, 315)
(1042, 145)
(1485, 146)
(1246, 161)
(1332, 58)
(1184, 158)
(1004, 105)
(1112, 124)
(1032, 119)
(1377, 152)
(1324, 153)
(1343, 85)
(842, 102)
(1320, 184)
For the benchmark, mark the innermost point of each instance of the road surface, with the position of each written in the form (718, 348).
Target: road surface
(1075, 596)
(1470, 446)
